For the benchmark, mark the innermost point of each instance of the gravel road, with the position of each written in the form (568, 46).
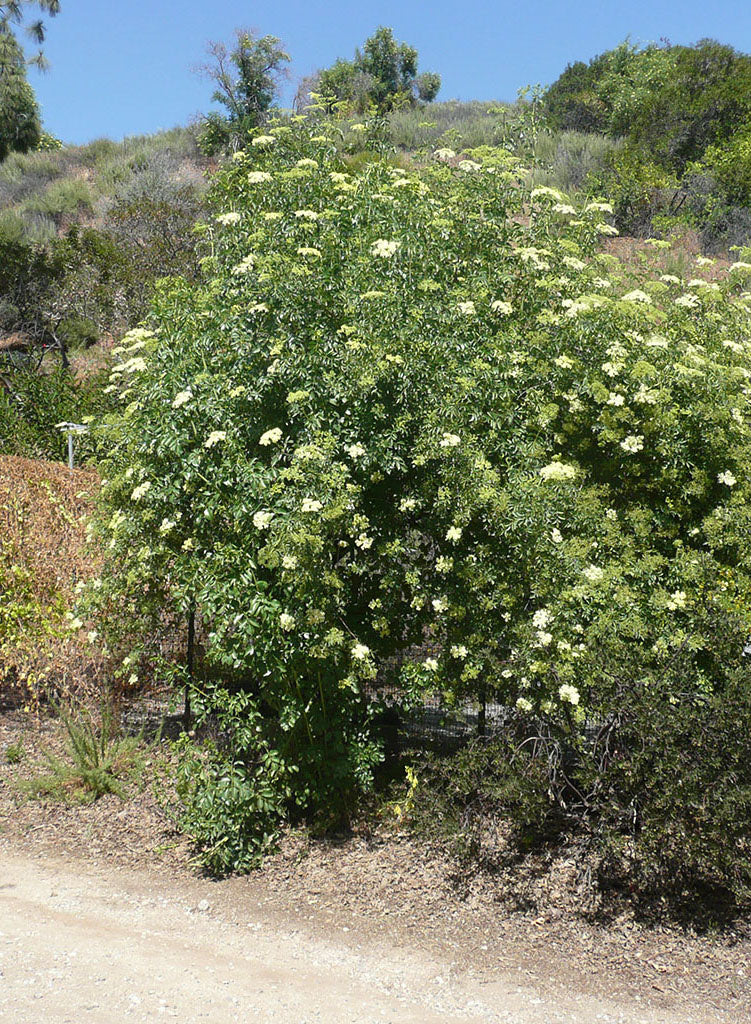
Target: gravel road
(92, 943)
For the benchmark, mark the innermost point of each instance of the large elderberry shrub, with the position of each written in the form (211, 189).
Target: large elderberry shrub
(410, 405)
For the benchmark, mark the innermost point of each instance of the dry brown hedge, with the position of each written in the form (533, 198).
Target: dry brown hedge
(43, 552)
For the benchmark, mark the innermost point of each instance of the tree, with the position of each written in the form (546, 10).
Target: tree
(12, 13)
(20, 127)
(246, 79)
(383, 74)
(427, 85)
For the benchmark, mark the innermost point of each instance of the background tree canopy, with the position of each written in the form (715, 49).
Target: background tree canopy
(672, 101)
(382, 75)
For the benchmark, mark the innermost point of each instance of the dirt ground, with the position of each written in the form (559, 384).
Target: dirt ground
(103, 918)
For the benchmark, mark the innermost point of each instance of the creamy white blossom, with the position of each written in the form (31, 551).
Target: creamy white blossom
(272, 436)
(450, 440)
(727, 478)
(600, 207)
(637, 295)
(287, 622)
(228, 218)
(140, 491)
(258, 177)
(181, 398)
(215, 437)
(262, 520)
(244, 266)
(311, 505)
(384, 248)
(569, 694)
(542, 618)
(632, 444)
(689, 300)
(558, 471)
(454, 534)
(593, 573)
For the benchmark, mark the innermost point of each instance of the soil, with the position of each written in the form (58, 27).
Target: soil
(104, 917)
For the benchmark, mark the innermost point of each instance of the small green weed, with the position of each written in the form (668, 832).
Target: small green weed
(14, 752)
(98, 759)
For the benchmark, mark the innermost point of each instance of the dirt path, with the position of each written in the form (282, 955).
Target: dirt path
(84, 944)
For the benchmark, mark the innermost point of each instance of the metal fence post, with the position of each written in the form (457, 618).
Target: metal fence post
(71, 429)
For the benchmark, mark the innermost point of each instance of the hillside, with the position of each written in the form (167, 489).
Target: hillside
(43, 193)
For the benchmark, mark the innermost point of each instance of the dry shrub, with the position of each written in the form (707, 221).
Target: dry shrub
(43, 556)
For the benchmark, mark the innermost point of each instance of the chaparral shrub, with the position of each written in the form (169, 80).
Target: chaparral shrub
(409, 406)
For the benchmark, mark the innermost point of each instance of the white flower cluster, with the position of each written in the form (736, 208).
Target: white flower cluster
(632, 444)
(215, 437)
(569, 694)
(558, 471)
(140, 491)
(262, 520)
(182, 398)
(384, 248)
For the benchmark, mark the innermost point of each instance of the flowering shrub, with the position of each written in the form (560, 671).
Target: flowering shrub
(419, 404)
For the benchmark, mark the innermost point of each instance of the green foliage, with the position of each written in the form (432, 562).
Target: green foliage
(672, 102)
(62, 200)
(33, 403)
(230, 808)
(397, 409)
(98, 759)
(484, 803)
(246, 80)
(105, 167)
(652, 800)
(14, 752)
(383, 76)
(638, 189)
(20, 127)
(575, 161)
(452, 123)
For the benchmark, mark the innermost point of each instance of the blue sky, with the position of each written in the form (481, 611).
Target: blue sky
(124, 69)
